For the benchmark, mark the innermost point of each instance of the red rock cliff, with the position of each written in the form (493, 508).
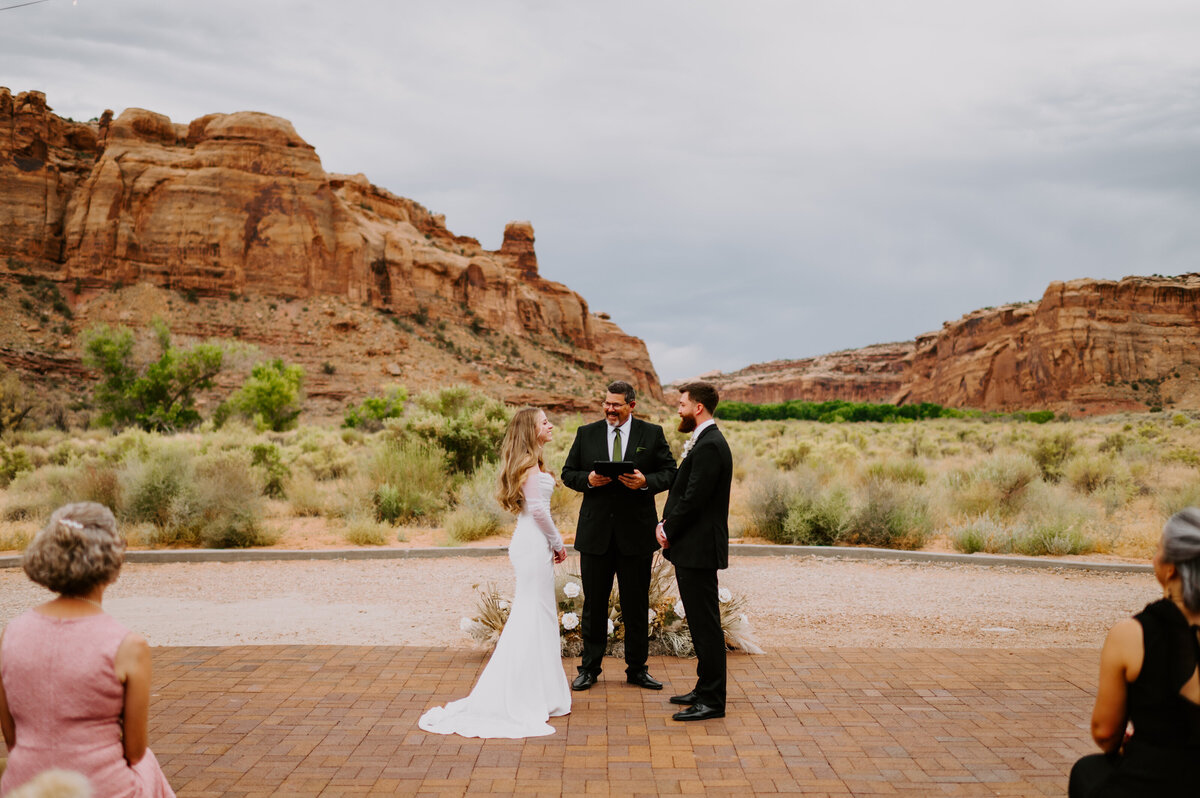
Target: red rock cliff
(239, 203)
(1089, 346)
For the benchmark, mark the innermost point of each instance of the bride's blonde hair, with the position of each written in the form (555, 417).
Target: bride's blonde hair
(519, 452)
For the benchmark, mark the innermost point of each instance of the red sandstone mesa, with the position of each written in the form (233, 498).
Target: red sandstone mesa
(239, 203)
(1088, 347)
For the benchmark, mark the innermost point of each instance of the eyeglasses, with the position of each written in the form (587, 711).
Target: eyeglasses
(614, 405)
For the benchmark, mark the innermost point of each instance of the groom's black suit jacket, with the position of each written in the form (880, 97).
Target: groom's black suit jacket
(613, 510)
(696, 516)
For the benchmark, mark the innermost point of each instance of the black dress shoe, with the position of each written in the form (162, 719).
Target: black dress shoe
(644, 679)
(584, 680)
(687, 699)
(699, 712)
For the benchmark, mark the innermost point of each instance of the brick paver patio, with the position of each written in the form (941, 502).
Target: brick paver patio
(332, 720)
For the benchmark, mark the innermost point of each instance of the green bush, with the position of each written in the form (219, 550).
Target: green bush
(477, 514)
(269, 460)
(271, 395)
(374, 410)
(362, 531)
(468, 426)
(909, 471)
(33, 495)
(227, 503)
(999, 484)
(982, 534)
(408, 481)
(1051, 452)
(1089, 473)
(816, 519)
(794, 455)
(13, 462)
(891, 516)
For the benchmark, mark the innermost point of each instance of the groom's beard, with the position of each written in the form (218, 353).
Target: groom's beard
(687, 423)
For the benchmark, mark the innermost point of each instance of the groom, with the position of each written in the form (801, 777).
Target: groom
(694, 534)
(615, 533)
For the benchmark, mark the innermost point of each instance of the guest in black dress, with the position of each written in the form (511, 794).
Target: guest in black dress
(1149, 679)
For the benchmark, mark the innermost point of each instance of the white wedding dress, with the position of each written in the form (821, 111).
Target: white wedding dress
(523, 683)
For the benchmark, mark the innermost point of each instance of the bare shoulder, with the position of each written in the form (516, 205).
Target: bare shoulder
(1125, 640)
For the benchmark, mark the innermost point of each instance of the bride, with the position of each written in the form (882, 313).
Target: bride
(524, 683)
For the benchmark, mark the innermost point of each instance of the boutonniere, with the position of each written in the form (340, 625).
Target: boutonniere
(640, 449)
(687, 446)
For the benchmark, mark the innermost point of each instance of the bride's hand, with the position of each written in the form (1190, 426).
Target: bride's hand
(560, 556)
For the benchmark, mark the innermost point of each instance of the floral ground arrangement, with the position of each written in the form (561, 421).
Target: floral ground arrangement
(668, 629)
(421, 469)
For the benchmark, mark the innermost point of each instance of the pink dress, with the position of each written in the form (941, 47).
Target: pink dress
(66, 703)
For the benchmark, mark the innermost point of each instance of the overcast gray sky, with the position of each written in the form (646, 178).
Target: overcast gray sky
(732, 182)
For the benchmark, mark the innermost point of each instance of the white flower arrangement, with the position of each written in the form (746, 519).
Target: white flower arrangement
(667, 627)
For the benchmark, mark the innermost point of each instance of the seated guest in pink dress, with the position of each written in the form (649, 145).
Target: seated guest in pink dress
(74, 683)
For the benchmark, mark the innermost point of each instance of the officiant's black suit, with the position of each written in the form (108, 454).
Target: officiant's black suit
(696, 523)
(615, 535)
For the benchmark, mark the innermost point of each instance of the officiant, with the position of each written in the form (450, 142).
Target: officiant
(615, 533)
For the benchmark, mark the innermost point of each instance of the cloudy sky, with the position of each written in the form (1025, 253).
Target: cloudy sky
(732, 182)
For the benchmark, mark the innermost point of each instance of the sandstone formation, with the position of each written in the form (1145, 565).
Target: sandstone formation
(239, 204)
(1088, 347)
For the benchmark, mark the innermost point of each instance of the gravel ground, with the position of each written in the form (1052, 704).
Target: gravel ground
(792, 602)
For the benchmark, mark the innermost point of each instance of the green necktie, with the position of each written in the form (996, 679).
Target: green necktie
(617, 443)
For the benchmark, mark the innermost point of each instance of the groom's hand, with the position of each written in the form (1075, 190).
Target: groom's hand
(661, 535)
(634, 481)
(560, 556)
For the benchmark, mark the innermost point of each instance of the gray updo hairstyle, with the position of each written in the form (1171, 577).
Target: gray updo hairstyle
(78, 549)
(1181, 547)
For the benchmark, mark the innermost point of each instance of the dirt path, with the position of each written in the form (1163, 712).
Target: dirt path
(793, 601)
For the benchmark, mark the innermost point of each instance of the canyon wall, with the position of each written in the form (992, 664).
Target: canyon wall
(239, 204)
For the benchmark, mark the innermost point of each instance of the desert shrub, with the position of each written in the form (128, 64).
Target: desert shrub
(909, 471)
(152, 486)
(794, 455)
(407, 480)
(816, 518)
(1184, 455)
(17, 400)
(983, 533)
(891, 516)
(13, 462)
(223, 507)
(467, 426)
(15, 538)
(271, 395)
(269, 460)
(33, 495)
(98, 481)
(1172, 500)
(1114, 442)
(1057, 536)
(374, 410)
(997, 485)
(304, 494)
(1089, 473)
(1051, 452)
(477, 514)
(363, 531)
(767, 504)
(325, 459)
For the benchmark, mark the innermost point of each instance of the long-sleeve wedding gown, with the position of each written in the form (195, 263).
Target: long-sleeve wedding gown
(524, 683)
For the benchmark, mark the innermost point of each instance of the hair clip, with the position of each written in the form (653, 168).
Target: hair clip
(71, 522)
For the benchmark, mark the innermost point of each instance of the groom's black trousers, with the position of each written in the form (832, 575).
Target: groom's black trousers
(633, 582)
(698, 589)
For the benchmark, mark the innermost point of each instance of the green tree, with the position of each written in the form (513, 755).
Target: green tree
(159, 395)
(467, 425)
(374, 410)
(271, 395)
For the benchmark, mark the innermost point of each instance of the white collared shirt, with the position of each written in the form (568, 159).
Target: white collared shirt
(624, 437)
(701, 427)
